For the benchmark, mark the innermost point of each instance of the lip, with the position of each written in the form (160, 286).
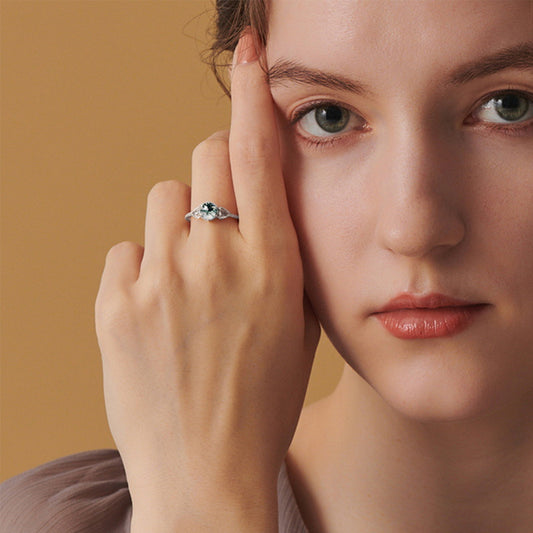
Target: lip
(429, 316)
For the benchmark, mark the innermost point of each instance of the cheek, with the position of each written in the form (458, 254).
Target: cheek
(333, 215)
(499, 204)
(504, 227)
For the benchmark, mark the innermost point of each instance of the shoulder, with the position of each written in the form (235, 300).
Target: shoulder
(85, 492)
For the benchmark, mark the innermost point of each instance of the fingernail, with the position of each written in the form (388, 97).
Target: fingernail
(245, 51)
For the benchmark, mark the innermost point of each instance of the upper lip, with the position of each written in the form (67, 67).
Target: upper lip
(428, 301)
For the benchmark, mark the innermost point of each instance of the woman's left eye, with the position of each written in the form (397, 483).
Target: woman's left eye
(327, 119)
(506, 108)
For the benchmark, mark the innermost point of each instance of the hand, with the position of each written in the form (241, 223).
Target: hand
(206, 337)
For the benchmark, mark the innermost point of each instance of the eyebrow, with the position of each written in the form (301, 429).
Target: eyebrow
(285, 71)
(518, 57)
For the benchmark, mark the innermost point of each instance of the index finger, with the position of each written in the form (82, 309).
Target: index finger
(254, 145)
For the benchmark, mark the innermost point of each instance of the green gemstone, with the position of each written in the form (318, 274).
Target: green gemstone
(208, 211)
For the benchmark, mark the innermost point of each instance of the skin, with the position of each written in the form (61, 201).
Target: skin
(207, 336)
(206, 340)
(420, 435)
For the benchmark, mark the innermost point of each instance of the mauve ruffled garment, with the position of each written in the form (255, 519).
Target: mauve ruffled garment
(87, 493)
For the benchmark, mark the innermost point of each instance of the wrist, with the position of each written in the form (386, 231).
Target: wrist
(196, 510)
(207, 521)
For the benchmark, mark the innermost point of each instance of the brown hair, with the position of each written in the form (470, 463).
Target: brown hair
(232, 17)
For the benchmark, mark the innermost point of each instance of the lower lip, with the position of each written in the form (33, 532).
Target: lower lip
(429, 323)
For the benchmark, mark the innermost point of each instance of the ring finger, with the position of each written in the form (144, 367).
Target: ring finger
(211, 182)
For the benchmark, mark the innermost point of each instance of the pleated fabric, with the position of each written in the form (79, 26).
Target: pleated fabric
(88, 493)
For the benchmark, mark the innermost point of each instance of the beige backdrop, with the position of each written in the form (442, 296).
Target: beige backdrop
(100, 100)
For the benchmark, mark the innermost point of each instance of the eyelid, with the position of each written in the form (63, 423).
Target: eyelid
(306, 107)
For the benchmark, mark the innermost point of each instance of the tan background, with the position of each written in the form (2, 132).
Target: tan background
(100, 100)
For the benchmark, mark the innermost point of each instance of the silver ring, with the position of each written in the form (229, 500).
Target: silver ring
(210, 211)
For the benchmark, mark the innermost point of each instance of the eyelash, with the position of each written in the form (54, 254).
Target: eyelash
(520, 128)
(326, 141)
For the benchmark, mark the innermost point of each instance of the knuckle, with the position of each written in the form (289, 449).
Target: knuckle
(221, 136)
(215, 275)
(161, 280)
(214, 265)
(162, 190)
(260, 275)
(214, 147)
(255, 150)
(245, 80)
(122, 249)
(208, 275)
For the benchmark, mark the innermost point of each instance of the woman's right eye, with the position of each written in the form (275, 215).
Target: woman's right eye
(325, 120)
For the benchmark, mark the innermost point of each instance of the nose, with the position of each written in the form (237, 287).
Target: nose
(420, 208)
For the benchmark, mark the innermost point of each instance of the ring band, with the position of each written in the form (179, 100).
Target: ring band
(210, 211)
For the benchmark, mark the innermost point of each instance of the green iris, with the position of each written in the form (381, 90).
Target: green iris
(332, 118)
(511, 107)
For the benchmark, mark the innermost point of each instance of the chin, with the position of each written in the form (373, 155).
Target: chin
(426, 402)
(427, 390)
(441, 385)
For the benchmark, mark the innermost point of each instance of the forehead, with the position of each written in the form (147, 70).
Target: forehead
(400, 37)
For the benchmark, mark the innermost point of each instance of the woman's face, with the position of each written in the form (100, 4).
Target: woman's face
(415, 175)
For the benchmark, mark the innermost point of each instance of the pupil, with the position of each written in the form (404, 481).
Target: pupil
(511, 106)
(332, 119)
